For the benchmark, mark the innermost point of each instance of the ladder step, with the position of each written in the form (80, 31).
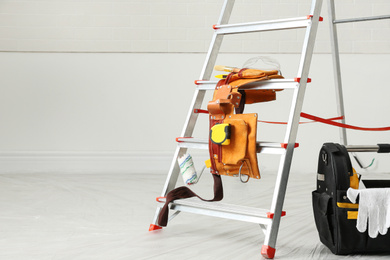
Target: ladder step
(222, 210)
(262, 147)
(265, 84)
(280, 24)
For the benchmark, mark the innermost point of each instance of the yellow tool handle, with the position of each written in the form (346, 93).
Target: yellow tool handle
(221, 76)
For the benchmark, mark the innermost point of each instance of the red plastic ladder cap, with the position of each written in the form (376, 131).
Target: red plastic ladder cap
(177, 139)
(271, 215)
(320, 19)
(268, 252)
(153, 227)
(299, 80)
(284, 145)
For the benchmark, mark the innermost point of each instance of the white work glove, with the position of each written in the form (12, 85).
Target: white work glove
(374, 208)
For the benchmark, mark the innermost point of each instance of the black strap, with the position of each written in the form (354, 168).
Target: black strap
(184, 193)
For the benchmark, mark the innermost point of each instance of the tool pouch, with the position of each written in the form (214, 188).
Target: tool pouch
(239, 157)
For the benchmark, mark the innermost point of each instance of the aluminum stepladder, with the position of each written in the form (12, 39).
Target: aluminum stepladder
(269, 219)
(336, 62)
(337, 72)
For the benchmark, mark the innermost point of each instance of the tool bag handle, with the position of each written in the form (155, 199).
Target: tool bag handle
(379, 148)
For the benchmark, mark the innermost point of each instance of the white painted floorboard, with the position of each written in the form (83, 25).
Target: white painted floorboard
(69, 217)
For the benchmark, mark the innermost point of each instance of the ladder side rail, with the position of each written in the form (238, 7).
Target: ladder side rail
(292, 127)
(361, 19)
(337, 70)
(172, 177)
(216, 41)
(207, 70)
(197, 101)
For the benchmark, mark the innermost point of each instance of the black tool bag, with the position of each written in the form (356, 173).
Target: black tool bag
(335, 215)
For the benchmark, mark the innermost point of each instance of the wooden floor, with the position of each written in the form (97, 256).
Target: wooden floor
(69, 217)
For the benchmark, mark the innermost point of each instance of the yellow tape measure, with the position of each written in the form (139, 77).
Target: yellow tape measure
(220, 134)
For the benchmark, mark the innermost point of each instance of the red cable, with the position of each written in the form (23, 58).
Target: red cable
(285, 123)
(329, 122)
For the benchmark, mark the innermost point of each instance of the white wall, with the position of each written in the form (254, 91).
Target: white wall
(73, 100)
(175, 26)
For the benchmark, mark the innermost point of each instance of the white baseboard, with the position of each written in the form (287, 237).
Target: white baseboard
(68, 162)
(84, 162)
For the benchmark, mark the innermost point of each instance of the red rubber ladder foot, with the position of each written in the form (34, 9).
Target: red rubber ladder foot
(268, 252)
(154, 227)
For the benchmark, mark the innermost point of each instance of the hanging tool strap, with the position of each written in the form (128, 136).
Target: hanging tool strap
(184, 193)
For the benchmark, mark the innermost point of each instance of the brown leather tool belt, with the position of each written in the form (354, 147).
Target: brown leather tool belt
(239, 157)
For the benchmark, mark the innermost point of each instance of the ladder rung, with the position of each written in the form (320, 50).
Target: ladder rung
(262, 147)
(265, 84)
(223, 210)
(291, 23)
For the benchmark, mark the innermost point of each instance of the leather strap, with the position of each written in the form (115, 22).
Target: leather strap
(184, 193)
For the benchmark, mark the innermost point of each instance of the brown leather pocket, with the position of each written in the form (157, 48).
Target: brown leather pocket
(242, 147)
(245, 166)
(236, 150)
